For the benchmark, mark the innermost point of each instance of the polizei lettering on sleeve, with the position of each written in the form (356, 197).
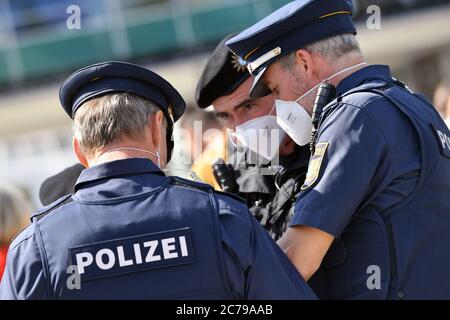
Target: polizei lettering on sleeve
(133, 254)
(443, 140)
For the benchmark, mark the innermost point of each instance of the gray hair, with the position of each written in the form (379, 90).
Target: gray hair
(103, 121)
(14, 210)
(332, 49)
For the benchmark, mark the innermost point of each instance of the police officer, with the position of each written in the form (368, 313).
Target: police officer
(270, 190)
(373, 219)
(130, 232)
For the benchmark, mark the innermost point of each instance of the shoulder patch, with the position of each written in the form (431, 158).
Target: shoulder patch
(315, 164)
(443, 140)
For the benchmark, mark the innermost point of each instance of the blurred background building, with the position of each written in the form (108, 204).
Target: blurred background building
(173, 37)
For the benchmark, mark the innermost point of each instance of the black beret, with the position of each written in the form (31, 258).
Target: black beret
(110, 77)
(60, 184)
(224, 72)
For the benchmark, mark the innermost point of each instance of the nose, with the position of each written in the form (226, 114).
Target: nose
(232, 126)
(240, 120)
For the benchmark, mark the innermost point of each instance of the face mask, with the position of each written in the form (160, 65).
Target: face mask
(293, 117)
(294, 120)
(157, 155)
(261, 135)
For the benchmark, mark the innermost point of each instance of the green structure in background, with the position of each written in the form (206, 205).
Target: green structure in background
(35, 41)
(122, 30)
(3, 68)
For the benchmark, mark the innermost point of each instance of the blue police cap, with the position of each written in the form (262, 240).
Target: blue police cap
(291, 27)
(112, 77)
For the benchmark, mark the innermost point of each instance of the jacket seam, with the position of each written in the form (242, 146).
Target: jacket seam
(43, 254)
(20, 242)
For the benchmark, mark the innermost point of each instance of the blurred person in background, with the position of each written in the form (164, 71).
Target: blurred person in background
(210, 144)
(270, 195)
(14, 217)
(441, 101)
(60, 184)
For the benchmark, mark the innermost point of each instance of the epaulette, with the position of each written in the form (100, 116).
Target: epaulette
(203, 187)
(232, 195)
(51, 207)
(191, 184)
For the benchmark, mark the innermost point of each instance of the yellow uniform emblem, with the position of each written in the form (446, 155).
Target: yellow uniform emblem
(314, 165)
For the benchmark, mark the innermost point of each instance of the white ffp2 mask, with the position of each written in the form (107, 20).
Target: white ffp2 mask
(293, 117)
(261, 135)
(294, 120)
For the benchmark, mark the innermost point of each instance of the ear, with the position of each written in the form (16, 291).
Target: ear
(305, 61)
(156, 127)
(80, 155)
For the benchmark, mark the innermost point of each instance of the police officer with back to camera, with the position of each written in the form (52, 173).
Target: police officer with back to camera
(129, 231)
(270, 191)
(373, 219)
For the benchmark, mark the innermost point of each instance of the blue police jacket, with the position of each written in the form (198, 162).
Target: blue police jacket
(379, 182)
(130, 232)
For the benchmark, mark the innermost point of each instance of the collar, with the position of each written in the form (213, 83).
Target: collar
(117, 168)
(359, 77)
